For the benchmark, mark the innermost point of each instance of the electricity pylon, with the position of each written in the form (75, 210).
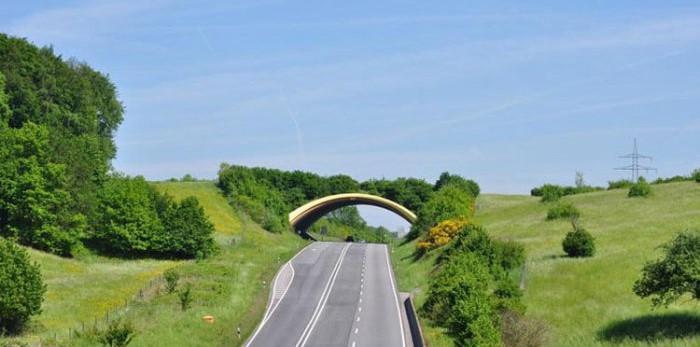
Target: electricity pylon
(636, 167)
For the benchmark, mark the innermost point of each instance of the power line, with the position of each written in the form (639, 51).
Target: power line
(636, 167)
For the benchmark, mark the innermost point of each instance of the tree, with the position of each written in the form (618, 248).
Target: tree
(412, 193)
(34, 205)
(139, 221)
(129, 218)
(696, 175)
(21, 286)
(348, 215)
(468, 185)
(76, 105)
(449, 202)
(5, 112)
(677, 273)
(188, 230)
(342, 184)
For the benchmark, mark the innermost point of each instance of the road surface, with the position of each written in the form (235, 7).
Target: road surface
(333, 294)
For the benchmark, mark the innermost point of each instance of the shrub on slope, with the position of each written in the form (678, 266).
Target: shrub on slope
(563, 210)
(471, 287)
(579, 242)
(640, 189)
(21, 286)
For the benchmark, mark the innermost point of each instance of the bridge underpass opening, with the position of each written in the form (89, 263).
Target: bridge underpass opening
(306, 215)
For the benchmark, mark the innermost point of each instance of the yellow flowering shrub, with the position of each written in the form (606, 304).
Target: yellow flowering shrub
(442, 233)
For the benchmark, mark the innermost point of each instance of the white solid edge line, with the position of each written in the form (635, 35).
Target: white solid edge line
(396, 297)
(274, 290)
(324, 298)
(268, 315)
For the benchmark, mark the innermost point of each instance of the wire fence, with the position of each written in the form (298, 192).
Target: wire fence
(151, 289)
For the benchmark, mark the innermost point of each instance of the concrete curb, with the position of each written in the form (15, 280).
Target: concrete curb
(416, 333)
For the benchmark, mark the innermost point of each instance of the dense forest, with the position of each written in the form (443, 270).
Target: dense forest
(58, 192)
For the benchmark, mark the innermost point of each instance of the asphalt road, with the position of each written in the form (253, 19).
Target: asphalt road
(340, 294)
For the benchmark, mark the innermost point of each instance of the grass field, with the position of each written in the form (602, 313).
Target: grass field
(588, 302)
(231, 286)
(225, 219)
(83, 289)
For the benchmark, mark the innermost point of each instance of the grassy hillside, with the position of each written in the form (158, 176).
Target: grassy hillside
(80, 290)
(226, 220)
(231, 286)
(589, 302)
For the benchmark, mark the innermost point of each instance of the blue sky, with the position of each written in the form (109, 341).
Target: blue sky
(512, 94)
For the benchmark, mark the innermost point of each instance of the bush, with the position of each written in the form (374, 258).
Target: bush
(117, 334)
(519, 331)
(21, 286)
(185, 296)
(171, 278)
(472, 284)
(696, 175)
(579, 243)
(620, 184)
(674, 275)
(458, 299)
(562, 210)
(188, 178)
(449, 202)
(555, 191)
(673, 179)
(640, 189)
(551, 192)
(509, 254)
(441, 234)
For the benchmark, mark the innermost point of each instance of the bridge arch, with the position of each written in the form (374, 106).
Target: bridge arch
(304, 216)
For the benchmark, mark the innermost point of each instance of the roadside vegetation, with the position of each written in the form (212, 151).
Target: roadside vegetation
(586, 301)
(90, 291)
(268, 195)
(592, 301)
(101, 240)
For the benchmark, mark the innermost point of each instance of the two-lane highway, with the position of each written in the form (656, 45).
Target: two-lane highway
(340, 294)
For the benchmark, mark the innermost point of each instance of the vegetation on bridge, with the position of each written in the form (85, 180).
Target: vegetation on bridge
(268, 195)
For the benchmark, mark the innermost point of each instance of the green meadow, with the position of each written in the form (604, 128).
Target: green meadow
(586, 302)
(231, 286)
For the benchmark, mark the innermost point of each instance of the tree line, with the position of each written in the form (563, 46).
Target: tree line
(268, 195)
(58, 192)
